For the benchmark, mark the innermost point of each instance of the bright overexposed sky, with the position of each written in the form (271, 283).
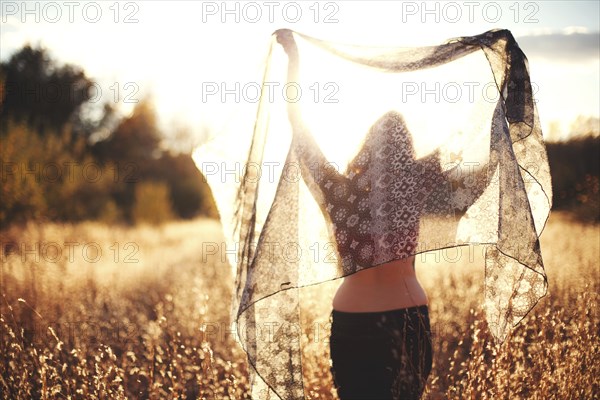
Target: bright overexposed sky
(185, 52)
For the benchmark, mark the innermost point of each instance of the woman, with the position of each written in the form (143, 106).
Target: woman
(380, 335)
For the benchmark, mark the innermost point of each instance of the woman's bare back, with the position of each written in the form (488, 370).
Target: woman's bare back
(388, 286)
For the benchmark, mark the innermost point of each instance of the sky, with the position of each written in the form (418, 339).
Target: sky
(185, 53)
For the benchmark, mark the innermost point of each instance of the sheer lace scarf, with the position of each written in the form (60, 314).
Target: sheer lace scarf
(361, 155)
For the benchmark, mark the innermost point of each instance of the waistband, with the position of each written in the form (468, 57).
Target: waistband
(370, 317)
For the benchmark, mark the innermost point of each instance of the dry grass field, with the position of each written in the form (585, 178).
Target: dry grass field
(96, 312)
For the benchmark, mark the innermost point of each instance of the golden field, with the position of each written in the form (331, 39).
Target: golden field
(93, 311)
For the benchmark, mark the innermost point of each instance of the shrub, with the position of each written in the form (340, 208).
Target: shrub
(152, 203)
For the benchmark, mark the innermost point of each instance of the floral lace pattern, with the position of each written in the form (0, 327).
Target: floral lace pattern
(388, 203)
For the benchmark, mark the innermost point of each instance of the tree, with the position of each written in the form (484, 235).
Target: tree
(40, 93)
(136, 139)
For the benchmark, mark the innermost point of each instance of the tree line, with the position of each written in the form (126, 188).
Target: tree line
(65, 158)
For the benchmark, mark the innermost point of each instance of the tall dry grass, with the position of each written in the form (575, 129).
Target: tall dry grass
(149, 318)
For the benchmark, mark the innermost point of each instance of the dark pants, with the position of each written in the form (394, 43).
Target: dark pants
(381, 355)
